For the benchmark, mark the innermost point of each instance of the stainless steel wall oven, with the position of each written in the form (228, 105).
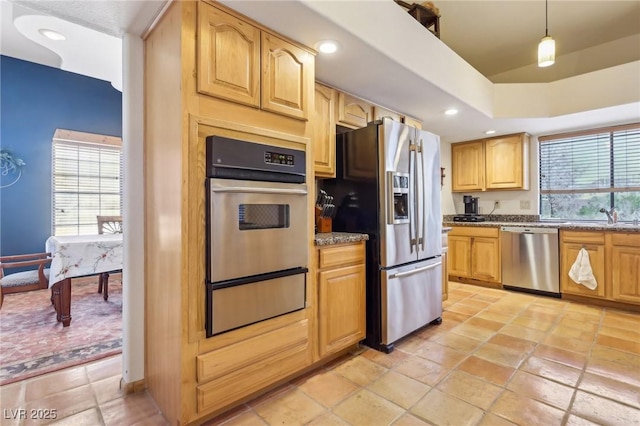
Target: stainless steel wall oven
(257, 238)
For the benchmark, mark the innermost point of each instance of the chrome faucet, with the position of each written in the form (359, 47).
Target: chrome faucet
(610, 215)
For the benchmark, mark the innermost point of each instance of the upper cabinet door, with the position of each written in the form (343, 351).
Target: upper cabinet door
(505, 162)
(286, 78)
(379, 113)
(228, 56)
(467, 164)
(353, 112)
(324, 132)
(413, 122)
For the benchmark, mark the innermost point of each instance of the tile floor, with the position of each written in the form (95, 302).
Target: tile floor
(498, 358)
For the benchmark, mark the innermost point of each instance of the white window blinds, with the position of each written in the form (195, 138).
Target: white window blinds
(87, 181)
(583, 172)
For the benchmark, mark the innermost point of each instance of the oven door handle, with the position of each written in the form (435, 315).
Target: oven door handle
(244, 190)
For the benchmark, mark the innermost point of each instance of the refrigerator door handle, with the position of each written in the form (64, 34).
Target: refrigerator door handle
(422, 234)
(413, 163)
(415, 271)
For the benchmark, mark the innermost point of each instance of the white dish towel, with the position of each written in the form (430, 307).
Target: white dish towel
(581, 271)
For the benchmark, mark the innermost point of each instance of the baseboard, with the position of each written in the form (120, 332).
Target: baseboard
(133, 387)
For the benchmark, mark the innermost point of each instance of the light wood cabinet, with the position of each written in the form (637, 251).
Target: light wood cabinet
(323, 124)
(491, 164)
(353, 112)
(570, 246)
(615, 261)
(625, 267)
(412, 122)
(228, 57)
(341, 297)
(474, 252)
(239, 62)
(467, 165)
(380, 112)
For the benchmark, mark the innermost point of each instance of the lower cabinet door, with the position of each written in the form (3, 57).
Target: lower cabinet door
(485, 259)
(625, 266)
(569, 253)
(458, 263)
(342, 308)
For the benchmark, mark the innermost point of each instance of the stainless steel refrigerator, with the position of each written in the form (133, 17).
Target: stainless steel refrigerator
(389, 184)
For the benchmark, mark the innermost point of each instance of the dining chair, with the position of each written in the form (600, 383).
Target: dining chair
(24, 280)
(108, 225)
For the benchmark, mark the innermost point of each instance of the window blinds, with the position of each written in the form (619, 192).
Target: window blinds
(87, 182)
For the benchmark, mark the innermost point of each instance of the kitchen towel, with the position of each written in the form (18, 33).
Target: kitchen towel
(581, 271)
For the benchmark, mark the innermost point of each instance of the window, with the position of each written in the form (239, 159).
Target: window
(582, 172)
(87, 181)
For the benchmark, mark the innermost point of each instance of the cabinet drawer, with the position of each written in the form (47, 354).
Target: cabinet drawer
(621, 239)
(248, 352)
(470, 231)
(330, 257)
(582, 237)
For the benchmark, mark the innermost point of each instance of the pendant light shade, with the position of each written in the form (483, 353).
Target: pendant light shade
(547, 46)
(546, 51)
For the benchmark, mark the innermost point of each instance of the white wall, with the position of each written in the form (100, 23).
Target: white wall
(511, 202)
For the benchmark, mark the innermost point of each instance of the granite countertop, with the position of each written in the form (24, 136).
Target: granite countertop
(567, 226)
(332, 238)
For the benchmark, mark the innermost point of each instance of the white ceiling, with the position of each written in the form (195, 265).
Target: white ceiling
(497, 38)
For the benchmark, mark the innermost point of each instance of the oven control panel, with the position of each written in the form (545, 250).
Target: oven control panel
(271, 157)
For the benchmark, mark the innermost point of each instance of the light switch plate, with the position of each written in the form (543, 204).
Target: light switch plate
(525, 204)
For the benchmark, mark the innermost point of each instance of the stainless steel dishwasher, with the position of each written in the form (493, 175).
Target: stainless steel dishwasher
(530, 259)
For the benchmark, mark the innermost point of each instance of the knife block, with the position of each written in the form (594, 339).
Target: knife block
(323, 224)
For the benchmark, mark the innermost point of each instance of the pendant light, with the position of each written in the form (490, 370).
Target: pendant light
(547, 46)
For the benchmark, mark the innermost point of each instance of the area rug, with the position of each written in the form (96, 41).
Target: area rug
(32, 342)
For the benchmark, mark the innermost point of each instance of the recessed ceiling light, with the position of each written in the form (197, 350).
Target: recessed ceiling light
(489, 132)
(51, 34)
(327, 46)
(451, 111)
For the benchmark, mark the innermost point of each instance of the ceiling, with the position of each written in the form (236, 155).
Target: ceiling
(496, 38)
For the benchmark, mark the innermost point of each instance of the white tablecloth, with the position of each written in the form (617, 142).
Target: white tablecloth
(79, 255)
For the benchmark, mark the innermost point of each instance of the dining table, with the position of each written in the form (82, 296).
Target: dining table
(78, 256)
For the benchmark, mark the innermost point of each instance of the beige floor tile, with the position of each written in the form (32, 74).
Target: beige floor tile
(399, 389)
(533, 323)
(620, 344)
(495, 316)
(87, 417)
(326, 419)
(226, 416)
(505, 308)
(443, 355)
(440, 408)
(578, 324)
(487, 370)
(107, 389)
(107, 367)
(487, 297)
(491, 419)
(619, 319)
(501, 355)
(423, 370)
(65, 403)
(367, 408)
(541, 389)
(470, 389)
(523, 410)
(409, 420)
(521, 332)
(273, 393)
(610, 388)
(485, 323)
(247, 418)
(574, 345)
(462, 309)
(409, 344)
(610, 354)
(552, 370)
(328, 388)
(474, 302)
(155, 420)
(452, 316)
(293, 407)
(12, 395)
(603, 411)
(50, 384)
(613, 370)
(574, 420)
(511, 342)
(473, 332)
(587, 312)
(586, 335)
(360, 370)
(128, 410)
(551, 353)
(459, 343)
(539, 316)
(386, 360)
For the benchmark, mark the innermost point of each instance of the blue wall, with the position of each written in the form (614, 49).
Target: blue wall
(35, 101)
